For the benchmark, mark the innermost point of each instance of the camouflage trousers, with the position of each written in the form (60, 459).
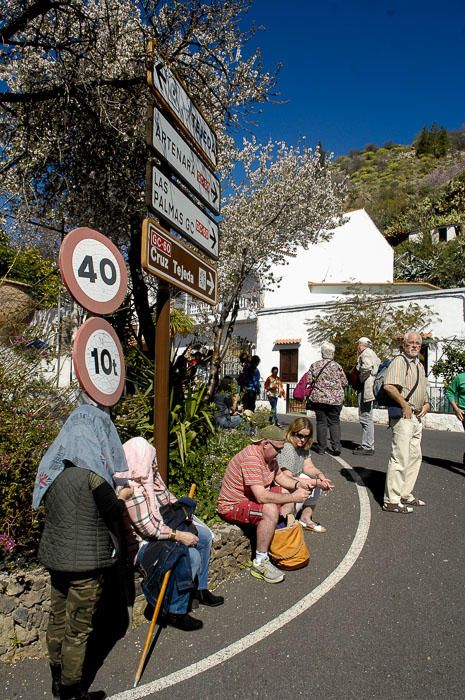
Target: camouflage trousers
(72, 607)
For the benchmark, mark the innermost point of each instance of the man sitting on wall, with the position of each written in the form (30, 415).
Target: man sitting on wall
(248, 496)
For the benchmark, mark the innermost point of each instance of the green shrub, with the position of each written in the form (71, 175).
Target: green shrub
(30, 413)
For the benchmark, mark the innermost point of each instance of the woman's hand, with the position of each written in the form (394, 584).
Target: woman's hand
(187, 538)
(126, 493)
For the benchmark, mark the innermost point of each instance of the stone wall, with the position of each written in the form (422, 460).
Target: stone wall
(25, 595)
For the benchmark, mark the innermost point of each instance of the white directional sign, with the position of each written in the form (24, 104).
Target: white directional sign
(174, 97)
(185, 162)
(166, 257)
(93, 270)
(167, 200)
(98, 361)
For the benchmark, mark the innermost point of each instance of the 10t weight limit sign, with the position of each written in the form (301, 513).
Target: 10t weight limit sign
(98, 361)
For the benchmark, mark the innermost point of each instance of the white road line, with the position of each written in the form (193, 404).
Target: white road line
(301, 606)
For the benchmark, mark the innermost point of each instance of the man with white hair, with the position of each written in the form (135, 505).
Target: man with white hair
(405, 384)
(367, 366)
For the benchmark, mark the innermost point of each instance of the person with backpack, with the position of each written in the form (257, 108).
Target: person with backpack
(367, 367)
(405, 385)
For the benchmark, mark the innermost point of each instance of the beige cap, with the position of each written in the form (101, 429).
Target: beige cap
(364, 340)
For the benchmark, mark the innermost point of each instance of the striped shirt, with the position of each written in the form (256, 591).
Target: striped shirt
(247, 468)
(404, 377)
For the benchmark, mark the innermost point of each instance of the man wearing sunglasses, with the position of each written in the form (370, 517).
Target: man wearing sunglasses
(248, 496)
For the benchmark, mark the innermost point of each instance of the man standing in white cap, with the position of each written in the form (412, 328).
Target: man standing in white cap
(367, 366)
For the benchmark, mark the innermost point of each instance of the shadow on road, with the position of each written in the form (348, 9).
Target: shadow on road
(349, 444)
(371, 478)
(456, 467)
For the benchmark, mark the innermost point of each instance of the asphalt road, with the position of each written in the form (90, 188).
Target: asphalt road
(378, 613)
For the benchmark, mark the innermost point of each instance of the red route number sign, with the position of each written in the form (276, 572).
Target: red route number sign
(98, 361)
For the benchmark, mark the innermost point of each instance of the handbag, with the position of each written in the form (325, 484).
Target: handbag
(288, 548)
(301, 390)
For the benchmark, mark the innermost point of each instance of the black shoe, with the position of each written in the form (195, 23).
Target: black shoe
(206, 597)
(183, 622)
(363, 451)
(56, 679)
(335, 453)
(73, 692)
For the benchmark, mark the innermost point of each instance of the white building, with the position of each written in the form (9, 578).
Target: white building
(357, 254)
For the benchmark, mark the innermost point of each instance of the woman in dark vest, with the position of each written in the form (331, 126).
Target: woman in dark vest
(75, 481)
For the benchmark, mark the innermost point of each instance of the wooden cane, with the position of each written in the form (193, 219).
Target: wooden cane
(156, 612)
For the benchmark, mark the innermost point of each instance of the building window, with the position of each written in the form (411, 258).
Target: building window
(442, 234)
(288, 365)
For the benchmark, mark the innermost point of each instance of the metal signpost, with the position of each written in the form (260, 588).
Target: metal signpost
(167, 200)
(166, 257)
(185, 146)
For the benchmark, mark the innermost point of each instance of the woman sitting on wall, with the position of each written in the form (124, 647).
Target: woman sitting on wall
(295, 458)
(145, 513)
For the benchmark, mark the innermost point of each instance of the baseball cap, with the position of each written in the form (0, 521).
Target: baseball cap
(270, 432)
(364, 340)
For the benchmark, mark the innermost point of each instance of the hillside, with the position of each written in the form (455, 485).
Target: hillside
(390, 182)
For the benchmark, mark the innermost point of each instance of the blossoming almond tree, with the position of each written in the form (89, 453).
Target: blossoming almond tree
(72, 134)
(287, 199)
(74, 98)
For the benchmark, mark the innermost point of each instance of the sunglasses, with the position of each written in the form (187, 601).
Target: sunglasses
(275, 447)
(301, 436)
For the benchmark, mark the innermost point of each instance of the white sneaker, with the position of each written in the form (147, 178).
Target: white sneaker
(266, 571)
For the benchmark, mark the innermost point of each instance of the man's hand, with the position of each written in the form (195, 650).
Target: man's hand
(424, 410)
(460, 414)
(298, 496)
(187, 538)
(407, 411)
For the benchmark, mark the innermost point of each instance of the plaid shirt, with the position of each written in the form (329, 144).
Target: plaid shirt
(140, 523)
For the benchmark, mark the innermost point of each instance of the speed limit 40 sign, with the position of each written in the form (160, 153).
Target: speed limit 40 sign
(93, 270)
(98, 361)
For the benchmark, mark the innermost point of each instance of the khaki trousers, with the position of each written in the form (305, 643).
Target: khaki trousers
(73, 604)
(405, 460)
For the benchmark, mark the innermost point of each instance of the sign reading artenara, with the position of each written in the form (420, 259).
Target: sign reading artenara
(174, 97)
(166, 257)
(179, 155)
(167, 200)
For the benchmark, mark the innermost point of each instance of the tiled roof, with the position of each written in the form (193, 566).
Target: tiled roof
(288, 341)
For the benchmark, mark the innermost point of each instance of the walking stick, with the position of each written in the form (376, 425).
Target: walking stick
(156, 612)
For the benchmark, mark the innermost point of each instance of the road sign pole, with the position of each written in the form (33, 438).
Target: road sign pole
(162, 366)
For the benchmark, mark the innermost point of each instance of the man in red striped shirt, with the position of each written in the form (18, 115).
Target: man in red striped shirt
(248, 494)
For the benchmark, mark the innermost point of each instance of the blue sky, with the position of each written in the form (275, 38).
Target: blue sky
(360, 72)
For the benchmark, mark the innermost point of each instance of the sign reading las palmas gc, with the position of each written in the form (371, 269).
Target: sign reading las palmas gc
(167, 200)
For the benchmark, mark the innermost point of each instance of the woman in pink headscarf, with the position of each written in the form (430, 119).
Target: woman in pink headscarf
(145, 524)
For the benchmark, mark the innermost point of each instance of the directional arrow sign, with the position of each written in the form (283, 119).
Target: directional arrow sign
(166, 257)
(167, 200)
(179, 155)
(175, 98)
